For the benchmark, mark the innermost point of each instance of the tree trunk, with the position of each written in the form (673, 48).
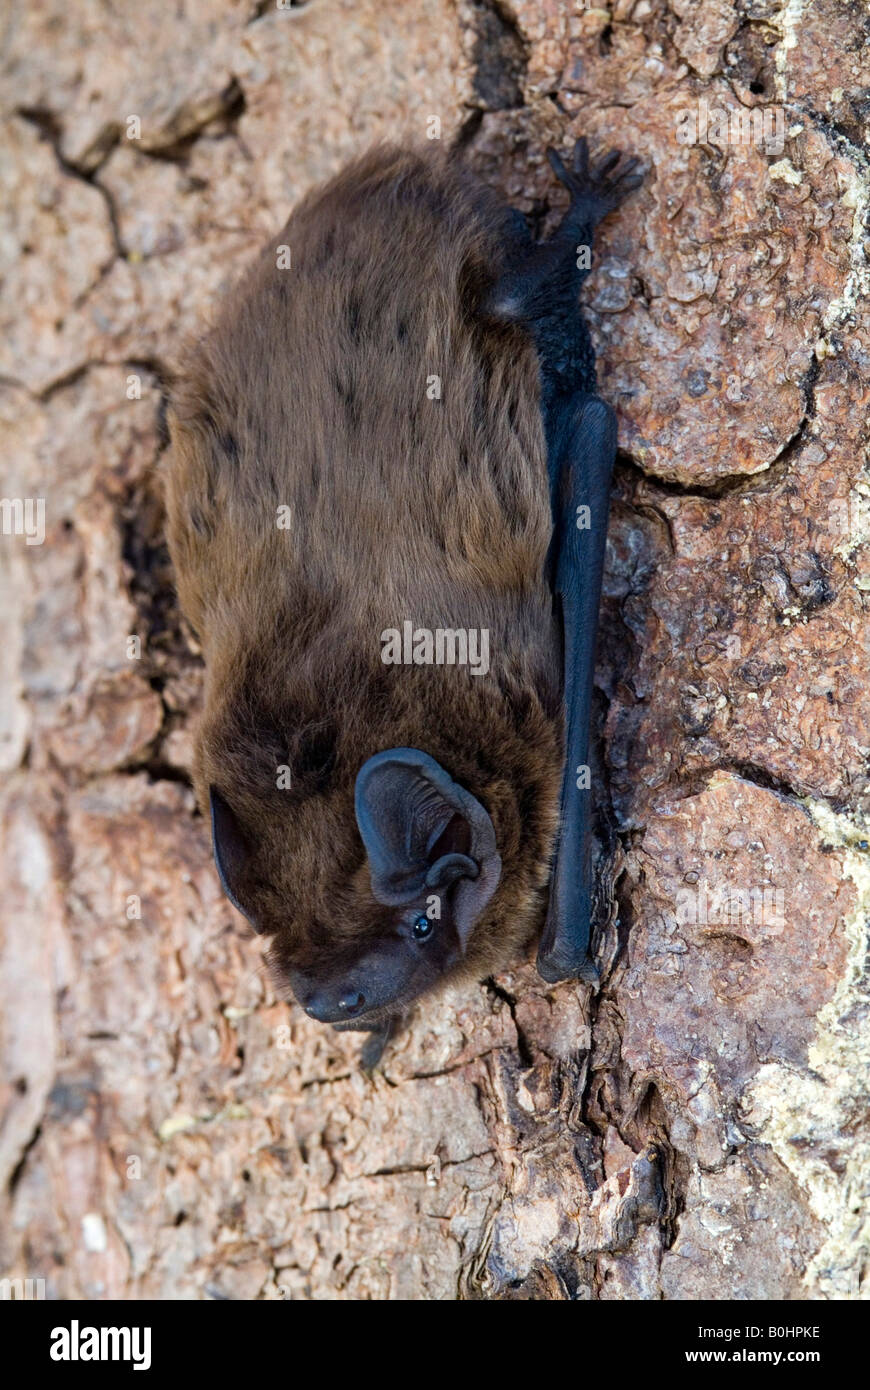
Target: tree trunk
(695, 1128)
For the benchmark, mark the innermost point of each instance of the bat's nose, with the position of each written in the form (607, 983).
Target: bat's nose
(352, 1003)
(327, 1008)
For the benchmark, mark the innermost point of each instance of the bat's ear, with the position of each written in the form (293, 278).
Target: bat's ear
(231, 850)
(422, 831)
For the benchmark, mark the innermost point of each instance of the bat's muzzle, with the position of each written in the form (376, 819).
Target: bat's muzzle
(327, 1006)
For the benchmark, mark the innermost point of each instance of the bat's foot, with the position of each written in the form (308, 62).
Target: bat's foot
(539, 284)
(373, 1048)
(595, 189)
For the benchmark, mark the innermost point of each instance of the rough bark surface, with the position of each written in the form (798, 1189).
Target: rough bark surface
(698, 1127)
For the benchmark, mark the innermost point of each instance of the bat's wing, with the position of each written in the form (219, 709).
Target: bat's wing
(540, 288)
(583, 441)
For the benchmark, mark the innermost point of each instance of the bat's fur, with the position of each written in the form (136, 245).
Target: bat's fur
(311, 393)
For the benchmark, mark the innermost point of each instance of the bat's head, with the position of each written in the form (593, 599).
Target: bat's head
(404, 917)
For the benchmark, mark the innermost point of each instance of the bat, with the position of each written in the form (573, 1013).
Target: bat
(387, 497)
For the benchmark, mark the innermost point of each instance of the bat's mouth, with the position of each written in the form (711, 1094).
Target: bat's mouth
(365, 1023)
(369, 1020)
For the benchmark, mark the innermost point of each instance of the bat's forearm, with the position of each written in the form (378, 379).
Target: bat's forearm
(583, 488)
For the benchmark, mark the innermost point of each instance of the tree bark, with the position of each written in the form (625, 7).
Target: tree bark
(694, 1128)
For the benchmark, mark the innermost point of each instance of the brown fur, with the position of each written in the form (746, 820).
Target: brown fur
(310, 392)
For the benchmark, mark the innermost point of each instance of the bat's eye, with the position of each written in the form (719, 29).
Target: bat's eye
(423, 928)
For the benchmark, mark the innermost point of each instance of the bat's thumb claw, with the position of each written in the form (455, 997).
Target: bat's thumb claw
(553, 968)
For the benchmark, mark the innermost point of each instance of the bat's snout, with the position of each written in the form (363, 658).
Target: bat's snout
(339, 991)
(331, 1006)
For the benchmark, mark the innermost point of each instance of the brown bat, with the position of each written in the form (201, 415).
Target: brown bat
(387, 499)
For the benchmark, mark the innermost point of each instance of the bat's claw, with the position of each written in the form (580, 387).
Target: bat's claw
(373, 1048)
(554, 967)
(598, 188)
